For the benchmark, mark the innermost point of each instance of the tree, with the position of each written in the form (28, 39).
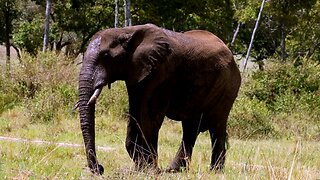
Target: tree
(9, 13)
(73, 23)
(81, 23)
(253, 34)
(183, 15)
(46, 26)
(304, 39)
(116, 13)
(278, 22)
(127, 13)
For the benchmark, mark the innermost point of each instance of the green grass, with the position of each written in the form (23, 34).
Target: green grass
(252, 159)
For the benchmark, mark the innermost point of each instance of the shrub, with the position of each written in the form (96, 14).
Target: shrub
(49, 103)
(7, 99)
(47, 85)
(114, 101)
(281, 101)
(281, 86)
(10, 94)
(250, 118)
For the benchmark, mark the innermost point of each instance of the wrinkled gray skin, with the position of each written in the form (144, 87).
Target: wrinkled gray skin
(189, 77)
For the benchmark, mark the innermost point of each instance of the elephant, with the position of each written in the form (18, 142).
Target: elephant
(189, 77)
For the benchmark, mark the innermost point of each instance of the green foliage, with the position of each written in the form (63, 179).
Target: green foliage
(250, 119)
(114, 101)
(44, 85)
(73, 23)
(215, 16)
(49, 103)
(28, 35)
(8, 10)
(271, 104)
(84, 21)
(8, 97)
(285, 81)
(292, 21)
(281, 101)
(305, 37)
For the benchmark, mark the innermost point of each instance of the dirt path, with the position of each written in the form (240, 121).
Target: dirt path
(41, 142)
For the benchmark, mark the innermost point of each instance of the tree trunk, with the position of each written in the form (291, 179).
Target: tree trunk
(7, 36)
(235, 34)
(46, 26)
(283, 42)
(116, 13)
(252, 37)
(17, 51)
(127, 13)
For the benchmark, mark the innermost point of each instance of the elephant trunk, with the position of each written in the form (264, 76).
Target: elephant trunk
(87, 110)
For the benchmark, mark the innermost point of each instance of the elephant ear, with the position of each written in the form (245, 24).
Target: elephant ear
(148, 49)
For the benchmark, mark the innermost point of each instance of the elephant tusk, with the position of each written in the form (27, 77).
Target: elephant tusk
(95, 96)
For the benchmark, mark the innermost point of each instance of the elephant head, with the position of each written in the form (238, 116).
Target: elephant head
(128, 54)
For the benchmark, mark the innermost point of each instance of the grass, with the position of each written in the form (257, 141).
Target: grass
(252, 159)
(277, 140)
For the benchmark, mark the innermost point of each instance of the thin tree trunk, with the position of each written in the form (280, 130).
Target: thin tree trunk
(7, 36)
(18, 52)
(235, 34)
(127, 13)
(252, 37)
(116, 13)
(46, 26)
(283, 42)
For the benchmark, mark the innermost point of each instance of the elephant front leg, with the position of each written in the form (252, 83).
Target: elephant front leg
(142, 145)
(147, 107)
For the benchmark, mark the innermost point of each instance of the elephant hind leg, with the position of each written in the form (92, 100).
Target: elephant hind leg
(184, 153)
(218, 132)
(218, 141)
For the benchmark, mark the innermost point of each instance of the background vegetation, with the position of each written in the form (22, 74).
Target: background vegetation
(274, 125)
(288, 28)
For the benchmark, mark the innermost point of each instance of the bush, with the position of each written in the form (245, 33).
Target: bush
(281, 101)
(114, 101)
(250, 119)
(49, 103)
(281, 86)
(8, 99)
(46, 84)
(10, 93)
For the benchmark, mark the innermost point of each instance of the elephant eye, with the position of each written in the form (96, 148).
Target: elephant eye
(106, 55)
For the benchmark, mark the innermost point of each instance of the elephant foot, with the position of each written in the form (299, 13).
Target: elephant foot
(98, 170)
(176, 167)
(148, 169)
(175, 170)
(217, 164)
(151, 167)
(218, 168)
(172, 170)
